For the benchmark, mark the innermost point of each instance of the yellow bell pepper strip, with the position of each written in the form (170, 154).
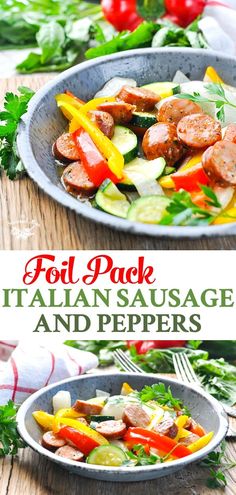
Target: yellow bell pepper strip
(85, 430)
(167, 182)
(105, 146)
(212, 76)
(202, 442)
(67, 98)
(227, 216)
(65, 413)
(44, 419)
(93, 104)
(181, 421)
(126, 389)
(73, 126)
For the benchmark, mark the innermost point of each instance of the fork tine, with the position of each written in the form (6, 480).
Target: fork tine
(192, 373)
(125, 362)
(179, 369)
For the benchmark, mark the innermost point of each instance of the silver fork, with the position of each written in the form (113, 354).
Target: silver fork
(184, 373)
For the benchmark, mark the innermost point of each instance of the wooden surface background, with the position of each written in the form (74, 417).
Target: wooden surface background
(56, 227)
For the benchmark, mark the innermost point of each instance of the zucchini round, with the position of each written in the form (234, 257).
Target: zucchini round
(107, 455)
(164, 89)
(143, 120)
(148, 209)
(140, 170)
(111, 200)
(126, 142)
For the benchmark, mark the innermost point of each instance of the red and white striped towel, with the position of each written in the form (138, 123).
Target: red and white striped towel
(31, 366)
(219, 25)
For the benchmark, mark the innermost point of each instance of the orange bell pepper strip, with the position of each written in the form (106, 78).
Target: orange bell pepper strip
(197, 429)
(135, 436)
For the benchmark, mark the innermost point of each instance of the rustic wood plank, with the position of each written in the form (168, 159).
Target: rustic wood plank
(57, 227)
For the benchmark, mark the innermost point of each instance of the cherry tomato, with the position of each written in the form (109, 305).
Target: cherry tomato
(142, 347)
(122, 14)
(185, 10)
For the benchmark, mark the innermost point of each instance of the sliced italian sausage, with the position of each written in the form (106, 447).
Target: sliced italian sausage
(198, 130)
(87, 408)
(65, 149)
(111, 429)
(188, 440)
(70, 453)
(134, 415)
(144, 99)
(230, 134)
(51, 441)
(161, 140)
(104, 121)
(219, 163)
(174, 110)
(167, 428)
(76, 180)
(120, 111)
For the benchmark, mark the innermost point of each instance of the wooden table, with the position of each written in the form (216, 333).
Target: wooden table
(30, 474)
(55, 227)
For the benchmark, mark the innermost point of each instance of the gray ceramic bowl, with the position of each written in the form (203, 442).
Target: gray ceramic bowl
(44, 121)
(203, 407)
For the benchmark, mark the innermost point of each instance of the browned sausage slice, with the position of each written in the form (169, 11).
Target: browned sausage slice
(51, 441)
(70, 453)
(230, 134)
(168, 428)
(134, 415)
(104, 121)
(112, 429)
(188, 440)
(175, 109)
(144, 99)
(161, 140)
(65, 148)
(86, 408)
(199, 130)
(77, 181)
(121, 112)
(219, 163)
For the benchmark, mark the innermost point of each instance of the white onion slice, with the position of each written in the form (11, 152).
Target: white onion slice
(62, 400)
(224, 195)
(114, 85)
(102, 393)
(180, 78)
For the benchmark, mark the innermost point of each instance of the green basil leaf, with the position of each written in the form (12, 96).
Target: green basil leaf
(50, 38)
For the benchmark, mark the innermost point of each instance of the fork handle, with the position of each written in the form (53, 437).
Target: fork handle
(231, 411)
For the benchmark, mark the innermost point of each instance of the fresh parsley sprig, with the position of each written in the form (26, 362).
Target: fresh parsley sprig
(218, 463)
(182, 210)
(161, 394)
(139, 457)
(14, 107)
(214, 89)
(10, 440)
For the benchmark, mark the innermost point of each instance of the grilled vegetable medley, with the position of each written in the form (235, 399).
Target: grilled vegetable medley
(130, 429)
(163, 153)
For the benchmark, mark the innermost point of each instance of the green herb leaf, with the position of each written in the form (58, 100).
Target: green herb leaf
(50, 38)
(161, 394)
(10, 440)
(182, 210)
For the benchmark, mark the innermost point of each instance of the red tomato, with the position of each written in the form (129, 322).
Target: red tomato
(142, 347)
(167, 344)
(134, 343)
(185, 10)
(146, 346)
(122, 14)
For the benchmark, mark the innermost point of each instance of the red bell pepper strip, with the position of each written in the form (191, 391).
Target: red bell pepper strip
(93, 161)
(135, 436)
(122, 14)
(82, 441)
(190, 178)
(142, 347)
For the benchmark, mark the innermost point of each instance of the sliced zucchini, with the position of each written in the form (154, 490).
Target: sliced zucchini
(100, 419)
(107, 455)
(111, 200)
(141, 171)
(126, 142)
(143, 119)
(148, 209)
(164, 89)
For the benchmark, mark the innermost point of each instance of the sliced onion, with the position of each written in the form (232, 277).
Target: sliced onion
(224, 195)
(112, 87)
(180, 78)
(102, 393)
(62, 400)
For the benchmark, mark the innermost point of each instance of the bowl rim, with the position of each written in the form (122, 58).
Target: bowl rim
(93, 214)
(216, 440)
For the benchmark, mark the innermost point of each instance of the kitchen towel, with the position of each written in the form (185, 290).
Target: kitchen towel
(219, 25)
(31, 366)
